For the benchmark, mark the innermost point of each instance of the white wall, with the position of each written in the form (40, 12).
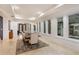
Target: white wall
(5, 25)
(14, 27)
(5, 29)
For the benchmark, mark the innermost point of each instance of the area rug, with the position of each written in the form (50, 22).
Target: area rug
(23, 49)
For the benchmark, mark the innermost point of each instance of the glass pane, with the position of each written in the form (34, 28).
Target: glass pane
(74, 26)
(34, 27)
(49, 26)
(60, 26)
(44, 27)
(24, 27)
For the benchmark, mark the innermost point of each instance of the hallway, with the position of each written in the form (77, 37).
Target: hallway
(39, 29)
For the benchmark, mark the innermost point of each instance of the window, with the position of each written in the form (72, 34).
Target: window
(49, 26)
(44, 27)
(60, 26)
(34, 27)
(74, 26)
(24, 27)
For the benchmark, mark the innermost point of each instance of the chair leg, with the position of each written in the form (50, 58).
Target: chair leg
(37, 45)
(31, 46)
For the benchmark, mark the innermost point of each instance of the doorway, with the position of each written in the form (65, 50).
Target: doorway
(21, 28)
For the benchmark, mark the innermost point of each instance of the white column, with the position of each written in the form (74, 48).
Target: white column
(46, 27)
(32, 28)
(65, 26)
(42, 27)
(54, 27)
(28, 28)
(38, 26)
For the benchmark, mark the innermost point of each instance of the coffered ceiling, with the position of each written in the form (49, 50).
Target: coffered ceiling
(26, 11)
(31, 12)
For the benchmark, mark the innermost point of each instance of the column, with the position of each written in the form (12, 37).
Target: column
(42, 27)
(65, 26)
(54, 27)
(38, 26)
(46, 27)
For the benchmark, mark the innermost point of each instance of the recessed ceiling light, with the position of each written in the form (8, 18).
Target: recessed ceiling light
(40, 14)
(18, 17)
(32, 18)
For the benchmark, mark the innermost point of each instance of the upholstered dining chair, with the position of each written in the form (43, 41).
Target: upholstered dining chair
(34, 39)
